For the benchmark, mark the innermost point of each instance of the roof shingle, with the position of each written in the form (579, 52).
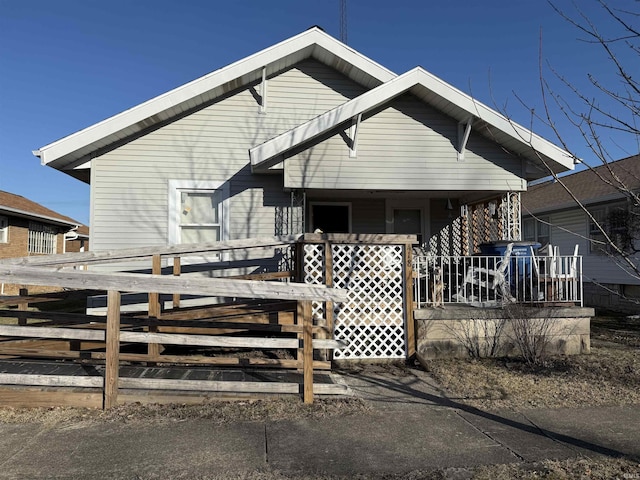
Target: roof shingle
(12, 201)
(585, 185)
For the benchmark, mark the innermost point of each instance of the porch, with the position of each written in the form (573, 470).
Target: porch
(496, 280)
(392, 285)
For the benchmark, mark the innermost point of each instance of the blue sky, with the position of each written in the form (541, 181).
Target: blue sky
(65, 65)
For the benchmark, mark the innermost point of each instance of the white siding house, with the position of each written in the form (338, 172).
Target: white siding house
(305, 134)
(550, 215)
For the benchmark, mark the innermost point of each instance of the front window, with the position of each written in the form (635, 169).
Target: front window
(200, 216)
(619, 223)
(42, 238)
(331, 217)
(197, 212)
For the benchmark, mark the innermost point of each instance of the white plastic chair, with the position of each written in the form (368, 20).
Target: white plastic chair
(564, 274)
(487, 279)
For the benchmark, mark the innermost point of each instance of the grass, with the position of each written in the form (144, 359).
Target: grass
(215, 412)
(563, 381)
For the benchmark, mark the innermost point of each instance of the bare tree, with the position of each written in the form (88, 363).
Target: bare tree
(608, 108)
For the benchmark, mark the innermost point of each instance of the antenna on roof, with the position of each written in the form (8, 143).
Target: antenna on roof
(343, 21)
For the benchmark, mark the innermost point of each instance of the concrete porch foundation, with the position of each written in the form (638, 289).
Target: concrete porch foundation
(443, 333)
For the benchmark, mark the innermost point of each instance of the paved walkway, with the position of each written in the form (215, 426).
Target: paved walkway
(412, 427)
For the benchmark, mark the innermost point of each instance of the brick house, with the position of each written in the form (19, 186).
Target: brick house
(28, 228)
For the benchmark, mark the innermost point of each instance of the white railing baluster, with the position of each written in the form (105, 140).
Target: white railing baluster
(476, 279)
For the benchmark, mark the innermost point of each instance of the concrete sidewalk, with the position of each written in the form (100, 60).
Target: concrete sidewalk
(412, 427)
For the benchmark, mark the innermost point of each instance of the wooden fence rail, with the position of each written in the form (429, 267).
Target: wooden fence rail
(44, 333)
(114, 336)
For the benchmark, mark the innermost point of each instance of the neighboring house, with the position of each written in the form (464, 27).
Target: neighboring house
(550, 215)
(28, 228)
(307, 134)
(78, 240)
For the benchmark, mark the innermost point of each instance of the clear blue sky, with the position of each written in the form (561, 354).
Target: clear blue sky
(65, 65)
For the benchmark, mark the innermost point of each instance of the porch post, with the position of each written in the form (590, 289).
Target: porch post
(328, 305)
(408, 295)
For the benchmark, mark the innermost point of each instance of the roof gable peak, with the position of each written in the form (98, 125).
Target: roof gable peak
(431, 90)
(78, 148)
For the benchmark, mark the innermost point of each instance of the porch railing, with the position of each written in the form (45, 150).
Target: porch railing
(494, 280)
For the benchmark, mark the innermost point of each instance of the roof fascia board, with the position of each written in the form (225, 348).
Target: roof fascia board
(496, 119)
(36, 216)
(111, 125)
(261, 154)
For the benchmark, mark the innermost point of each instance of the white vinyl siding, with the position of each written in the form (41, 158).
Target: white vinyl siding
(405, 145)
(571, 228)
(42, 238)
(129, 184)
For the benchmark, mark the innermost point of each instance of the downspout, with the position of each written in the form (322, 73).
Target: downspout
(70, 236)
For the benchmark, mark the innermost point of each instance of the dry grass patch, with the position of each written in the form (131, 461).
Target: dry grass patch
(599, 468)
(219, 412)
(610, 375)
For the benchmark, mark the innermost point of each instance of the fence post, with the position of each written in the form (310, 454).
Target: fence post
(299, 277)
(176, 273)
(408, 293)
(23, 307)
(153, 349)
(112, 350)
(304, 312)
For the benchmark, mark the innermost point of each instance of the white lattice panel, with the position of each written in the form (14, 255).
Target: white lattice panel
(314, 268)
(371, 321)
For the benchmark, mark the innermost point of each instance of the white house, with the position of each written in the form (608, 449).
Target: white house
(309, 135)
(550, 215)
(305, 134)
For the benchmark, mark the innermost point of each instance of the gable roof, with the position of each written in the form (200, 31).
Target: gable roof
(78, 148)
(585, 185)
(440, 95)
(19, 206)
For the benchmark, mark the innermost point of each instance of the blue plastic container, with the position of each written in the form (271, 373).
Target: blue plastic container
(521, 262)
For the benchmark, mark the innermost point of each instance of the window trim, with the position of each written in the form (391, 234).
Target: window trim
(4, 229)
(175, 189)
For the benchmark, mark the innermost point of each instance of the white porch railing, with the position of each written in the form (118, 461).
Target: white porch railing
(495, 280)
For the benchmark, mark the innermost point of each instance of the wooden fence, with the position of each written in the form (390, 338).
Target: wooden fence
(101, 339)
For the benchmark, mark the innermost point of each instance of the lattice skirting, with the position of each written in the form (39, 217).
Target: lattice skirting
(372, 321)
